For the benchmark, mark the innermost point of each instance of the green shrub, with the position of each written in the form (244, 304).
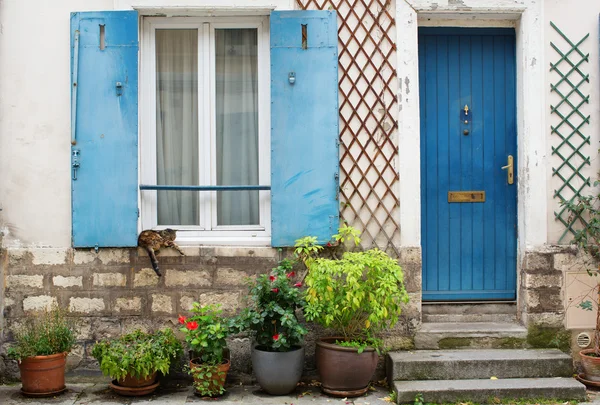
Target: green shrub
(358, 294)
(43, 334)
(138, 354)
(271, 311)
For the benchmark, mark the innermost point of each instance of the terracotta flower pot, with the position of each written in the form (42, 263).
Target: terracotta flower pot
(344, 372)
(590, 364)
(222, 370)
(134, 382)
(43, 376)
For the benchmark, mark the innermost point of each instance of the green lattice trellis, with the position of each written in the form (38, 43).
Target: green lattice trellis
(569, 128)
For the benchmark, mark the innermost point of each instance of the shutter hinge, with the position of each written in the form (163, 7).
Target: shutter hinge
(336, 177)
(96, 248)
(138, 212)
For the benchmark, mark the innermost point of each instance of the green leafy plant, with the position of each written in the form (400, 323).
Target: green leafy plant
(587, 238)
(137, 354)
(271, 310)
(43, 334)
(206, 332)
(358, 294)
(208, 379)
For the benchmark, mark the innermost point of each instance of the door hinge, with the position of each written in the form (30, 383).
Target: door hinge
(138, 212)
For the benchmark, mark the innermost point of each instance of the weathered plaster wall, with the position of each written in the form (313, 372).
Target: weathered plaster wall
(35, 120)
(575, 21)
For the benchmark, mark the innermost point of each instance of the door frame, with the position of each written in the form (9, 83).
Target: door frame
(532, 205)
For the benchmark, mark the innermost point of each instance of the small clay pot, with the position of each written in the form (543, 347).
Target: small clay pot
(134, 382)
(591, 365)
(43, 376)
(222, 370)
(133, 391)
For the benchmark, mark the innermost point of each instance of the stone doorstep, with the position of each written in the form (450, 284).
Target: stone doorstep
(467, 318)
(430, 334)
(477, 364)
(443, 391)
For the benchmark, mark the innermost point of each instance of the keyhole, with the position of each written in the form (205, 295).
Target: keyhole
(304, 36)
(102, 37)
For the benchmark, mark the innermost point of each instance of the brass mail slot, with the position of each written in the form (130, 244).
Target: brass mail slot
(466, 196)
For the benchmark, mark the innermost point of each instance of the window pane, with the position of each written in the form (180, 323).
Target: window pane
(237, 124)
(177, 124)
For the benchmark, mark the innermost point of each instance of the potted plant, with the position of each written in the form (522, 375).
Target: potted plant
(277, 353)
(358, 294)
(133, 360)
(41, 346)
(587, 238)
(205, 333)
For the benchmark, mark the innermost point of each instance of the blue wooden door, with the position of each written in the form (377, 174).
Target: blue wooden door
(468, 132)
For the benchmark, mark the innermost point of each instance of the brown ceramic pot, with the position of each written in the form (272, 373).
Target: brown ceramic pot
(134, 382)
(222, 370)
(43, 375)
(590, 364)
(344, 372)
(133, 391)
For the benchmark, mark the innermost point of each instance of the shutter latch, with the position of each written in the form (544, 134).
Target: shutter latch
(119, 87)
(75, 163)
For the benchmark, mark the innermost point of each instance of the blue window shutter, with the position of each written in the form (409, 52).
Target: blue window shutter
(104, 118)
(304, 126)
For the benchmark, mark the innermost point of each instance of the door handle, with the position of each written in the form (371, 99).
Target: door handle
(510, 168)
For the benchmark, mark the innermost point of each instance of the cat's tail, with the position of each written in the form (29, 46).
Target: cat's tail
(153, 260)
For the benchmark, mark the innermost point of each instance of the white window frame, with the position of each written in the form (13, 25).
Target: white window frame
(207, 232)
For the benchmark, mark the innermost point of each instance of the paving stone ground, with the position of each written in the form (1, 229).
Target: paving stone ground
(179, 393)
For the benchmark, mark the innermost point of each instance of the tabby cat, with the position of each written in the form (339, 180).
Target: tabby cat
(152, 241)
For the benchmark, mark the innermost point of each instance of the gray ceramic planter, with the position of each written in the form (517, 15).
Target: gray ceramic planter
(278, 373)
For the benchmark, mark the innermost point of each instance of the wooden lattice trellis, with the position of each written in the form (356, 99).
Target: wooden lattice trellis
(569, 128)
(368, 123)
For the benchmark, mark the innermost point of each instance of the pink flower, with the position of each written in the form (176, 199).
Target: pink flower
(276, 336)
(181, 319)
(291, 274)
(272, 278)
(192, 325)
(275, 290)
(298, 285)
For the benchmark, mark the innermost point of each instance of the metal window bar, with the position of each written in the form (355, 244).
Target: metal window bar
(202, 188)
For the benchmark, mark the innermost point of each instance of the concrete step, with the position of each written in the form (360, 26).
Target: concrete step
(482, 391)
(469, 308)
(470, 312)
(446, 318)
(474, 364)
(476, 335)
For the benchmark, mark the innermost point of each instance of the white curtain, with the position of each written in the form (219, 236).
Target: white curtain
(177, 124)
(237, 124)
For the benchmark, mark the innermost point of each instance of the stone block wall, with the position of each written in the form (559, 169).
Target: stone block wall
(541, 289)
(115, 291)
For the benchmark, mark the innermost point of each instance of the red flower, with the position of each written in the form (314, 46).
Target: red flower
(272, 278)
(275, 290)
(192, 325)
(181, 319)
(329, 244)
(291, 274)
(276, 336)
(298, 284)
